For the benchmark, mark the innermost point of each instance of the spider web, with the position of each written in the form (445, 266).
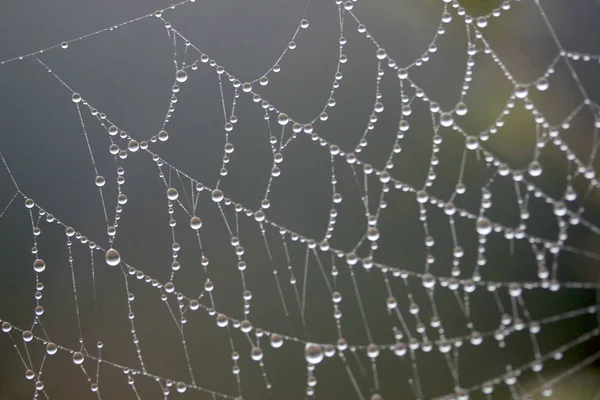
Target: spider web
(417, 249)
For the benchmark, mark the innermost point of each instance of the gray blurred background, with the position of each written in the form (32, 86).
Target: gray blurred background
(128, 74)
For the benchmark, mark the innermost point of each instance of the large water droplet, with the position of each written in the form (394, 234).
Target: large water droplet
(39, 265)
(113, 258)
(313, 353)
(181, 76)
(483, 226)
(195, 223)
(78, 358)
(172, 194)
(217, 195)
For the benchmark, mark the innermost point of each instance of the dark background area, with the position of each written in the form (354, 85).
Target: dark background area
(128, 73)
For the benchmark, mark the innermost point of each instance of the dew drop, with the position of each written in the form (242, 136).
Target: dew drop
(27, 336)
(256, 353)
(283, 119)
(133, 146)
(172, 194)
(113, 258)
(534, 168)
(313, 353)
(276, 340)
(181, 76)
(181, 387)
(195, 223)
(542, 84)
(78, 358)
(483, 226)
(51, 348)
(521, 91)
(217, 195)
(446, 119)
(39, 265)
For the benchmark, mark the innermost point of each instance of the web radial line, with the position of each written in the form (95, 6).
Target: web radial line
(185, 350)
(305, 280)
(225, 219)
(73, 282)
(360, 365)
(19, 353)
(110, 28)
(87, 140)
(417, 379)
(133, 333)
(119, 366)
(286, 48)
(361, 307)
(555, 318)
(567, 346)
(275, 273)
(453, 369)
(435, 36)
(562, 50)
(293, 282)
(94, 287)
(12, 178)
(583, 363)
(9, 203)
(317, 136)
(570, 285)
(352, 378)
(316, 255)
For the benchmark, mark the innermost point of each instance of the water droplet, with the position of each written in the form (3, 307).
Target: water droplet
(217, 195)
(39, 265)
(163, 136)
(51, 348)
(372, 350)
(428, 281)
(222, 321)
(446, 119)
(521, 91)
(181, 76)
(27, 336)
(534, 168)
(471, 143)
(78, 358)
(133, 146)
(276, 340)
(181, 387)
(195, 223)
(422, 196)
(283, 119)
(113, 258)
(483, 226)
(100, 181)
(461, 109)
(560, 209)
(256, 353)
(313, 353)
(373, 234)
(172, 194)
(542, 84)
